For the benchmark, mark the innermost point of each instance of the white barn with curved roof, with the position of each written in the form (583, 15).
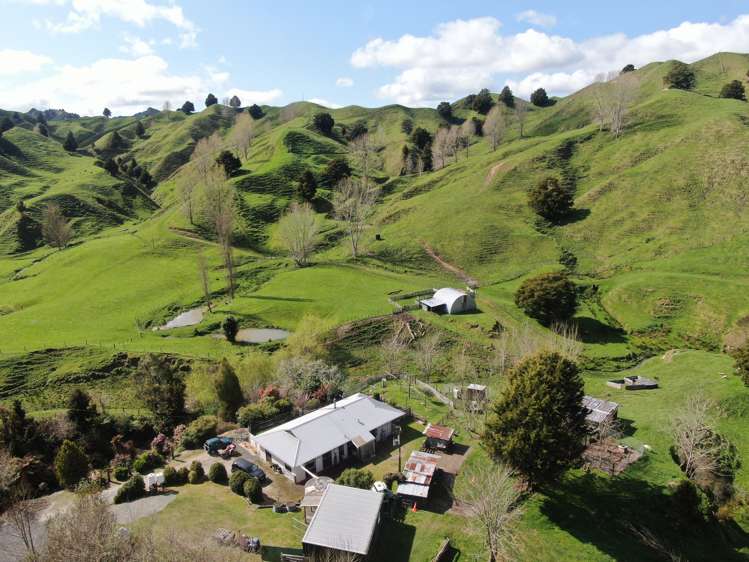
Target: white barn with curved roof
(450, 301)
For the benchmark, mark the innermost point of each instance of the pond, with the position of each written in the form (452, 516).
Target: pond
(261, 335)
(190, 317)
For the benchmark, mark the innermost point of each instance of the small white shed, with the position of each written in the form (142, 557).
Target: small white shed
(449, 301)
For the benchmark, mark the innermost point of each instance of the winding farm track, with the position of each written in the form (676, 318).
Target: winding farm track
(455, 270)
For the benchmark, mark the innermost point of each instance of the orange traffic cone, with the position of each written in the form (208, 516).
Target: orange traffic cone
(414, 508)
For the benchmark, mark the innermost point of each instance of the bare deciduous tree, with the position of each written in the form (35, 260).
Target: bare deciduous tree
(364, 149)
(494, 497)
(440, 148)
(204, 281)
(494, 126)
(186, 182)
(241, 135)
(22, 517)
(353, 203)
(393, 349)
(299, 232)
(427, 354)
(613, 96)
(698, 445)
(465, 132)
(56, 229)
(219, 214)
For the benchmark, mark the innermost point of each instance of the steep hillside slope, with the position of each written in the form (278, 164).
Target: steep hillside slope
(37, 170)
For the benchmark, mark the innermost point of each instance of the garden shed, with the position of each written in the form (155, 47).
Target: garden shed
(419, 473)
(344, 525)
(599, 410)
(449, 301)
(439, 436)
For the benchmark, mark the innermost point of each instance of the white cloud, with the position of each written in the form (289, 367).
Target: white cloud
(136, 46)
(537, 18)
(85, 14)
(325, 103)
(21, 62)
(464, 55)
(259, 97)
(344, 82)
(123, 85)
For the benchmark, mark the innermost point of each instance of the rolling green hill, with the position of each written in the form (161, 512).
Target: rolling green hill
(660, 235)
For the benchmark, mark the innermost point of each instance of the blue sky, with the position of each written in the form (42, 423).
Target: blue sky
(129, 54)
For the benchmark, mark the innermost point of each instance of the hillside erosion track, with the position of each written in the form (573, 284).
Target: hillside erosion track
(447, 266)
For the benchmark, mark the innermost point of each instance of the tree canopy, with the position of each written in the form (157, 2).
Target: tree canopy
(255, 111)
(733, 90)
(228, 391)
(550, 199)
(537, 424)
(539, 98)
(162, 389)
(307, 185)
(188, 108)
(323, 122)
(235, 102)
(210, 100)
(445, 110)
(506, 97)
(482, 102)
(680, 76)
(230, 163)
(70, 144)
(549, 298)
(335, 171)
(71, 464)
(106, 113)
(628, 68)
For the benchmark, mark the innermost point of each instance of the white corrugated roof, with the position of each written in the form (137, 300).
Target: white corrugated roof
(345, 519)
(307, 437)
(448, 295)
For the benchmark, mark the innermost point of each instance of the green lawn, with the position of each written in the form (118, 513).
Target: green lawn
(200, 509)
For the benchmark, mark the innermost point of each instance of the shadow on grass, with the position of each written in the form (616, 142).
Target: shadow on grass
(273, 553)
(284, 299)
(592, 330)
(602, 511)
(394, 541)
(575, 215)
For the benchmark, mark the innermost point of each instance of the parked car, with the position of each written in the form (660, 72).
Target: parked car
(215, 444)
(250, 468)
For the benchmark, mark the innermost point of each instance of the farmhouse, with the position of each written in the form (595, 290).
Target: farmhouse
(449, 301)
(344, 525)
(599, 411)
(307, 445)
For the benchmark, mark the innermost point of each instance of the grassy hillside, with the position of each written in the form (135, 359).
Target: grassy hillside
(659, 234)
(38, 171)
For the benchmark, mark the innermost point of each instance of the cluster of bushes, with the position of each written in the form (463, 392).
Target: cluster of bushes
(196, 433)
(356, 478)
(245, 485)
(147, 461)
(131, 490)
(266, 408)
(217, 473)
